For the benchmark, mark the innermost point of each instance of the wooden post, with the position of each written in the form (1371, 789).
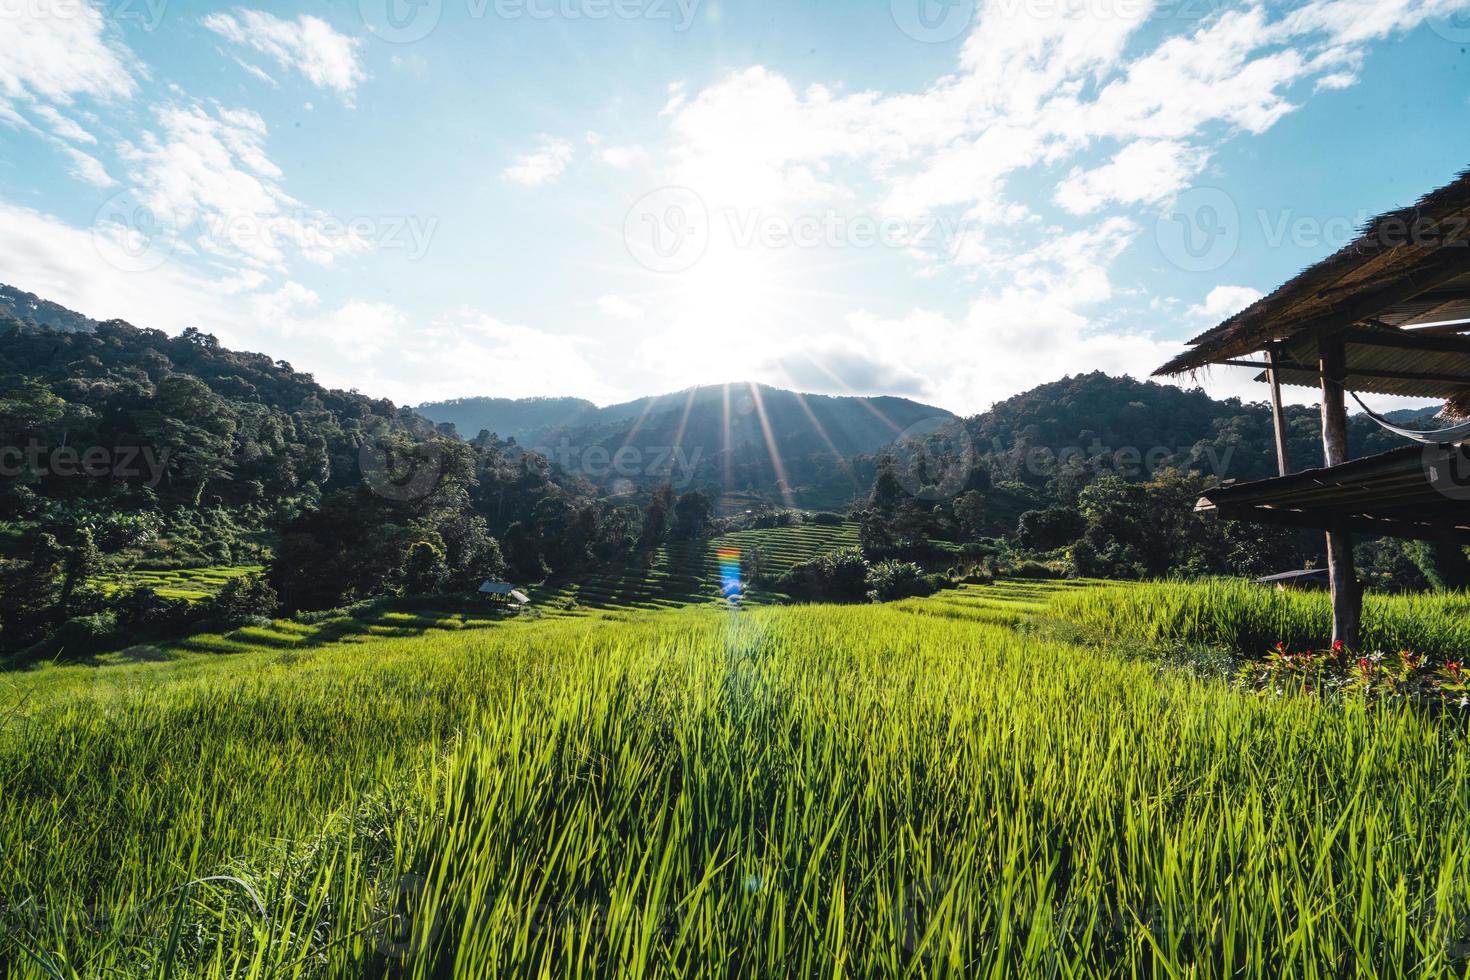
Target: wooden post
(1347, 596)
(1278, 414)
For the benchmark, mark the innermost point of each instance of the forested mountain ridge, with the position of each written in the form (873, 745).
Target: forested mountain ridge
(32, 309)
(736, 439)
(125, 447)
(1098, 422)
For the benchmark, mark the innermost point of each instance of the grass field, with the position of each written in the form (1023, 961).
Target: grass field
(935, 787)
(1237, 615)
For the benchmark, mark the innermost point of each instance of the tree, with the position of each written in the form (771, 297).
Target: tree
(888, 491)
(1443, 563)
(969, 513)
(657, 518)
(1050, 529)
(426, 570)
(692, 516)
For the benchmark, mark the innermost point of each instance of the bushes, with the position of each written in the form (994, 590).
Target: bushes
(79, 637)
(838, 576)
(891, 580)
(1031, 569)
(241, 602)
(137, 615)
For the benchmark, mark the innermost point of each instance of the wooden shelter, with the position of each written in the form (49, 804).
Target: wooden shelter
(1386, 314)
(505, 592)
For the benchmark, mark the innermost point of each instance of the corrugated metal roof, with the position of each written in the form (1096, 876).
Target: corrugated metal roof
(1410, 492)
(1426, 366)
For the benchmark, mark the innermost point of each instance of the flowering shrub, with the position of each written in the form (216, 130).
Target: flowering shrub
(1400, 676)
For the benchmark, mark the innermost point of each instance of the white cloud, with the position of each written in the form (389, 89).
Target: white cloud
(542, 165)
(1143, 172)
(43, 255)
(47, 57)
(619, 308)
(1223, 302)
(87, 168)
(307, 44)
(255, 71)
(66, 128)
(372, 346)
(206, 176)
(623, 157)
(1114, 118)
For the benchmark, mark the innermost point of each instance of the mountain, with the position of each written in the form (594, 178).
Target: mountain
(738, 440)
(521, 419)
(1110, 424)
(31, 309)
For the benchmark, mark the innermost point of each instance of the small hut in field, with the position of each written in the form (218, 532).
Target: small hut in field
(505, 593)
(1387, 314)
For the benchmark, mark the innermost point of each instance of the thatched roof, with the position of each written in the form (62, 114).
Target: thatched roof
(1407, 267)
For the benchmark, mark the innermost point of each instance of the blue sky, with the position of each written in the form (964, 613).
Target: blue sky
(437, 198)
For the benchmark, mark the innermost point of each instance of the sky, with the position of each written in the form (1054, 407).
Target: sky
(942, 199)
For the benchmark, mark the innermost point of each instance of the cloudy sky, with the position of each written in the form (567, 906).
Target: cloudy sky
(936, 198)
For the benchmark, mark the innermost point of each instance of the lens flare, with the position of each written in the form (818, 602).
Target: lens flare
(730, 584)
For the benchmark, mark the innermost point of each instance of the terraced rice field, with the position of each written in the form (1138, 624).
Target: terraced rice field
(931, 788)
(688, 574)
(191, 584)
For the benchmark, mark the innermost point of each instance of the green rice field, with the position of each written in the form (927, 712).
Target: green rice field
(685, 574)
(940, 787)
(191, 584)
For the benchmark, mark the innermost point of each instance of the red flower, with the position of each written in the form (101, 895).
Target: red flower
(1337, 646)
(1453, 666)
(1280, 646)
(1365, 665)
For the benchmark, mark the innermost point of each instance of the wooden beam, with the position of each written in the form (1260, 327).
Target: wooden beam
(1347, 595)
(1292, 367)
(1278, 414)
(1404, 340)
